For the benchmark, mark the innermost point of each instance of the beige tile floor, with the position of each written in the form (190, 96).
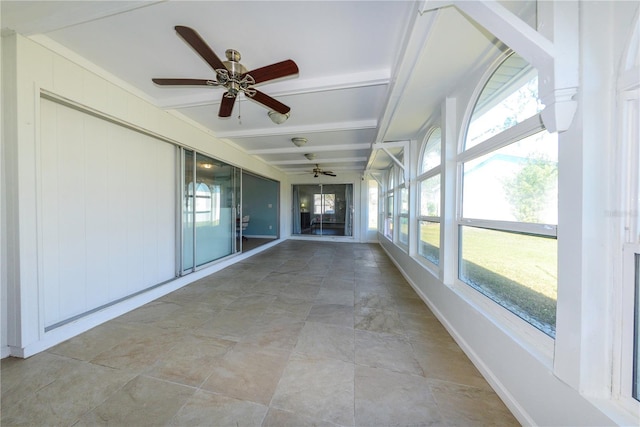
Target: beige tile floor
(303, 334)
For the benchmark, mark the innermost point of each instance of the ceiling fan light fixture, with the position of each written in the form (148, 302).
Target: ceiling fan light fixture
(299, 142)
(278, 118)
(310, 156)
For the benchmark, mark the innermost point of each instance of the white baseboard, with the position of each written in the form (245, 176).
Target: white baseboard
(516, 409)
(85, 323)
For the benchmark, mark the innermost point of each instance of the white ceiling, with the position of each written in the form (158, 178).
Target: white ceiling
(370, 71)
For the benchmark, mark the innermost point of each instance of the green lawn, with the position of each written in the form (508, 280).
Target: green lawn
(518, 271)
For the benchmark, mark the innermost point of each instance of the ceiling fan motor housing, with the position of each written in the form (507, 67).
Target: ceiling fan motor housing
(232, 77)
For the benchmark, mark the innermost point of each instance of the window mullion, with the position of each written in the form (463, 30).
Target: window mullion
(520, 131)
(518, 227)
(428, 174)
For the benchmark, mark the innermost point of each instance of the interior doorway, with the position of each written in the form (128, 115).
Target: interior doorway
(323, 209)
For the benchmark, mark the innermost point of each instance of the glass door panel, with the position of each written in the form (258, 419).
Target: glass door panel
(214, 212)
(188, 228)
(208, 213)
(323, 209)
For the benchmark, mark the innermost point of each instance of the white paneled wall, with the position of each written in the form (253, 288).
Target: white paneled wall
(107, 211)
(90, 195)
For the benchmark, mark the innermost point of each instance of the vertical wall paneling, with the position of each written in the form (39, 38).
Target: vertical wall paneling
(49, 222)
(133, 156)
(117, 219)
(71, 205)
(33, 290)
(107, 213)
(97, 234)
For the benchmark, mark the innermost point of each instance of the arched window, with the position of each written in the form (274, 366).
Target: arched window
(508, 227)
(429, 202)
(403, 207)
(431, 151)
(509, 97)
(389, 201)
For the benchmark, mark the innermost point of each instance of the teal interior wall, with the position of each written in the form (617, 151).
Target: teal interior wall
(260, 201)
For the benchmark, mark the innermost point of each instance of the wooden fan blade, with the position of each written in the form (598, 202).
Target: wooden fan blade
(274, 71)
(270, 102)
(329, 173)
(183, 82)
(193, 38)
(226, 106)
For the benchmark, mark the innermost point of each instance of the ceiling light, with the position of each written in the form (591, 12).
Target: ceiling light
(278, 118)
(310, 156)
(207, 165)
(299, 142)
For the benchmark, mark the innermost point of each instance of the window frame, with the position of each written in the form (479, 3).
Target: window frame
(322, 203)
(540, 342)
(389, 200)
(624, 375)
(423, 176)
(402, 190)
(626, 335)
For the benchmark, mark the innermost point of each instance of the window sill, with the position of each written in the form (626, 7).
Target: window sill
(536, 342)
(427, 265)
(622, 413)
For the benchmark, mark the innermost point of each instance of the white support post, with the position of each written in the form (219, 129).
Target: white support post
(558, 84)
(448, 194)
(553, 51)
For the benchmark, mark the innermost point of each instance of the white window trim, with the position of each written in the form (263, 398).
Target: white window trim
(526, 128)
(623, 371)
(624, 292)
(389, 191)
(534, 340)
(423, 148)
(537, 342)
(401, 185)
(424, 175)
(548, 230)
(628, 87)
(430, 173)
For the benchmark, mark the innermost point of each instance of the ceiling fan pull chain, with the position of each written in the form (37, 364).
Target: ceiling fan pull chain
(239, 112)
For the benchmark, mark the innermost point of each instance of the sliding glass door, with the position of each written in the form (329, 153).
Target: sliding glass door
(323, 209)
(210, 195)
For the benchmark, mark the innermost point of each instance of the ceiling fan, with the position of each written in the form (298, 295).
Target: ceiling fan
(319, 171)
(232, 75)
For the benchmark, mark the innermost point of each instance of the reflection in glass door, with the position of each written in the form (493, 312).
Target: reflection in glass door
(208, 217)
(323, 209)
